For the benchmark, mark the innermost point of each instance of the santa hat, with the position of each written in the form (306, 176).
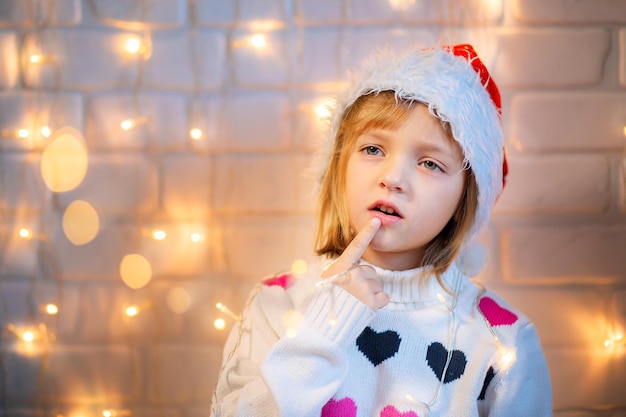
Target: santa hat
(454, 82)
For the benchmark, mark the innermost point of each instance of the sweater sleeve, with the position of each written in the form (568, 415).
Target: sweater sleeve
(524, 388)
(270, 372)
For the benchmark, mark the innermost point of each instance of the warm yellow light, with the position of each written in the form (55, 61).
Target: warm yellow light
(26, 233)
(64, 161)
(221, 307)
(80, 222)
(324, 110)
(51, 309)
(624, 131)
(28, 336)
(45, 131)
(133, 45)
(135, 271)
(219, 324)
(159, 234)
(36, 58)
(127, 124)
(107, 413)
(132, 310)
(195, 133)
(507, 357)
(258, 41)
(178, 300)
(197, 237)
(299, 267)
(23, 133)
(401, 4)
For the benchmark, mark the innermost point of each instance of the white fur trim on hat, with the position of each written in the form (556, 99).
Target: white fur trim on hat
(448, 85)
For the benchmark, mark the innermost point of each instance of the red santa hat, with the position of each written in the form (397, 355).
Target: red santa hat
(455, 84)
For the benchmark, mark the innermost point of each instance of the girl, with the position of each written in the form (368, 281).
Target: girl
(392, 326)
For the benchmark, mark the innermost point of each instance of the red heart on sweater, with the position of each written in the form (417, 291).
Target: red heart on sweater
(496, 315)
(283, 281)
(339, 408)
(391, 411)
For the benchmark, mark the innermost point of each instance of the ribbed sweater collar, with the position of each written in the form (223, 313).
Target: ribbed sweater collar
(417, 286)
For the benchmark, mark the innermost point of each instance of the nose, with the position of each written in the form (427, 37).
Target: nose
(393, 175)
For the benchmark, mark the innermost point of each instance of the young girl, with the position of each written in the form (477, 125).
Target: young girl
(390, 324)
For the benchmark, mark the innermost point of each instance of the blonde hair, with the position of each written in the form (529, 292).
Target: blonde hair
(382, 110)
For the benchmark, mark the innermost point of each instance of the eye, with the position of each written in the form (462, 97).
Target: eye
(430, 165)
(372, 150)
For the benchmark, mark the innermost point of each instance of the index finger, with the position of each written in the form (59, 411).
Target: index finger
(361, 241)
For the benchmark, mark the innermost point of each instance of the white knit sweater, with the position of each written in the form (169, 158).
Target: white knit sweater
(307, 350)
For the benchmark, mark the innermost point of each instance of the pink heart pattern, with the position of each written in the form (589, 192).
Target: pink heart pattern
(391, 411)
(495, 314)
(284, 281)
(339, 408)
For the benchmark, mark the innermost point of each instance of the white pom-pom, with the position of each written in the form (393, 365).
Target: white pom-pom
(472, 259)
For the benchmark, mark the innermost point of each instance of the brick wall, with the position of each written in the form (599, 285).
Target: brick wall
(557, 241)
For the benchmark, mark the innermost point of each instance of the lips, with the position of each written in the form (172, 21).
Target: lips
(386, 208)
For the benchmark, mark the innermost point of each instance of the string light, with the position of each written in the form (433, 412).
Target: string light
(51, 309)
(45, 131)
(131, 123)
(323, 110)
(132, 310)
(115, 413)
(27, 336)
(219, 324)
(22, 133)
(258, 41)
(197, 237)
(221, 307)
(38, 58)
(195, 133)
(401, 4)
(159, 234)
(25, 233)
(615, 340)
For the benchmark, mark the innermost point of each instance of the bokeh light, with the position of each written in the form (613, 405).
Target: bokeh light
(64, 161)
(80, 222)
(178, 300)
(135, 271)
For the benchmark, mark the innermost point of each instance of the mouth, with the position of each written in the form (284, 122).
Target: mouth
(386, 209)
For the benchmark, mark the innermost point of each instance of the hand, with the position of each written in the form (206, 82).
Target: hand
(360, 280)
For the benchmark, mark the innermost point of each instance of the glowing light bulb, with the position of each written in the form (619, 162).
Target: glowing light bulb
(197, 237)
(28, 336)
(323, 110)
(195, 133)
(219, 324)
(132, 310)
(133, 45)
(127, 124)
(107, 413)
(221, 307)
(22, 133)
(36, 58)
(507, 357)
(45, 131)
(159, 234)
(26, 233)
(258, 41)
(51, 309)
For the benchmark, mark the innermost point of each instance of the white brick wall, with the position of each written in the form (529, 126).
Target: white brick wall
(557, 240)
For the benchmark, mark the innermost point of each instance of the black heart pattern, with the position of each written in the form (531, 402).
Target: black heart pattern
(378, 347)
(437, 355)
(490, 374)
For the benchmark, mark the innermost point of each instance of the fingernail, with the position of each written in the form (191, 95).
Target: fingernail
(375, 221)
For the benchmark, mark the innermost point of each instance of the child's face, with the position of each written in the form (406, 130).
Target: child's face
(412, 178)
